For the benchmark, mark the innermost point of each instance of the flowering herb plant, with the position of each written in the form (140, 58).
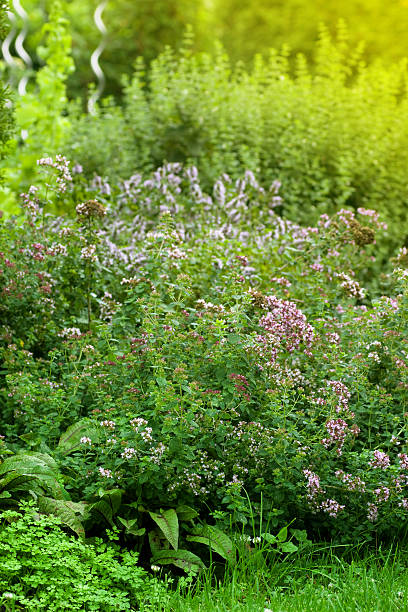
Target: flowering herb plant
(206, 351)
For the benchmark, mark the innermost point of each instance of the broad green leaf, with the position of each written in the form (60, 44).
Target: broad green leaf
(216, 539)
(299, 534)
(288, 547)
(77, 507)
(107, 506)
(283, 534)
(169, 525)
(271, 539)
(184, 559)
(38, 465)
(70, 440)
(64, 512)
(13, 481)
(155, 541)
(29, 461)
(185, 513)
(113, 497)
(131, 526)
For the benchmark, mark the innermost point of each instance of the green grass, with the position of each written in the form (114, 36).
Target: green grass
(320, 581)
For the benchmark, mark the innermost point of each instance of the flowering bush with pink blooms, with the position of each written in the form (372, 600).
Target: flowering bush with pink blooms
(202, 351)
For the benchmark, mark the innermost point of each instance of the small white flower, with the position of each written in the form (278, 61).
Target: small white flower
(8, 595)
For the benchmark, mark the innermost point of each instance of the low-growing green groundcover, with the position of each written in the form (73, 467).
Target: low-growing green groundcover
(43, 568)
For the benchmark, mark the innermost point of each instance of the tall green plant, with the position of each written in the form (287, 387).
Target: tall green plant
(334, 136)
(40, 113)
(5, 107)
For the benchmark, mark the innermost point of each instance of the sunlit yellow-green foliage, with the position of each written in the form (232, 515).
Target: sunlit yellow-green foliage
(144, 27)
(134, 28)
(249, 27)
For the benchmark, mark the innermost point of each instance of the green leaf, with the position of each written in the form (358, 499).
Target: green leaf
(28, 461)
(184, 559)
(40, 466)
(288, 547)
(155, 541)
(107, 506)
(13, 481)
(70, 440)
(300, 535)
(77, 507)
(216, 539)
(283, 534)
(185, 513)
(169, 525)
(271, 539)
(63, 511)
(131, 526)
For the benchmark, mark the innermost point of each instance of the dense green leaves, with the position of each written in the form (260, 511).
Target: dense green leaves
(216, 540)
(70, 440)
(44, 568)
(184, 559)
(168, 523)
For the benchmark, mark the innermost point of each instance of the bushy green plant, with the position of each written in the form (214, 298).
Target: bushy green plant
(43, 568)
(254, 27)
(335, 136)
(41, 113)
(143, 29)
(205, 350)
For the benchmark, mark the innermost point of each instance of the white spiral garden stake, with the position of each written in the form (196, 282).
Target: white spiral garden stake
(10, 61)
(95, 57)
(19, 44)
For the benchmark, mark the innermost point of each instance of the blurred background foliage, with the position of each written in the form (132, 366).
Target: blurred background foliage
(144, 28)
(328, 119)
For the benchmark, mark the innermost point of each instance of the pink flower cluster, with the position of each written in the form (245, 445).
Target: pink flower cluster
(241, 385)
(61, 164)
(403, 457)
(287, 324)
(337, 430)
(129, 453)
(353, 483)
(330, 506)
(108, 424)
(372, 513)
(382, 494)
(380, 460)
(351, 287)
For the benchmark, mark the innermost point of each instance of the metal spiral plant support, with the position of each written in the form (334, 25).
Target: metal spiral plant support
(95, 57)
(10, 61)
(19, 45)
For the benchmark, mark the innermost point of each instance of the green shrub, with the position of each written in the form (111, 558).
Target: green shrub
(133, 29)
(42, 568)
(205, 350)
(253, 27)
(41, 116)
(334, 137)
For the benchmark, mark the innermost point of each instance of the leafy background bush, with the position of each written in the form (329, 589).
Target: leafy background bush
(145, 28)
(334, 136)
